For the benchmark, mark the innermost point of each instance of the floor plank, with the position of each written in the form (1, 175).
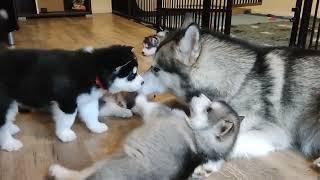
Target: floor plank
(42, 148)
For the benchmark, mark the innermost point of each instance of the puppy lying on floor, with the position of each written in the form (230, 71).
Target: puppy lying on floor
(169, 145)
(116, 105)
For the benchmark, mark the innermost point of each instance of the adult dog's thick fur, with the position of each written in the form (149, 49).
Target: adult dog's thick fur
(276, 89)
(66, 81)
(169, 145)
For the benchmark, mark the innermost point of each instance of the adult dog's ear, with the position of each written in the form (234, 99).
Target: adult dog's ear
(188, 19)
(189, 44)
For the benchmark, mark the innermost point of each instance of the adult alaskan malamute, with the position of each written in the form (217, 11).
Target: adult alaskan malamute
(276, 89)
(66, 81)
(169, 145)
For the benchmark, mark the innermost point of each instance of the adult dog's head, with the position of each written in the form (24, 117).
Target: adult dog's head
(174, 58)
(117, 69)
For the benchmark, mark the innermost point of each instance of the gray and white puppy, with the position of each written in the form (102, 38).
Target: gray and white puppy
(169, 145)
(277, 89)
(151, 43)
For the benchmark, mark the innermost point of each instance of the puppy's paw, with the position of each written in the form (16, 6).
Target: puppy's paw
(199, 104)
(66, 135)
(11, 145)
(200, 172)
(316, 164)
(59, 172)
(205, 170)
(13, 129)
(98, 127)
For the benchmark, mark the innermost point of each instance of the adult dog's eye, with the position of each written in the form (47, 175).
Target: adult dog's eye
(155, 69)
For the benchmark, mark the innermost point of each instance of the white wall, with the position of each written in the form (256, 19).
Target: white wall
(101, 6)
(279, 7)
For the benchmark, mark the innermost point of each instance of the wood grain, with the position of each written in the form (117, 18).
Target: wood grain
(42, 148)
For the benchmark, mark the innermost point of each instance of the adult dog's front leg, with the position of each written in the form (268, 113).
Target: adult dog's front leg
(89, 114)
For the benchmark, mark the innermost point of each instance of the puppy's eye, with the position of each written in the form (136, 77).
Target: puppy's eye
(209, 109)
(156, 69)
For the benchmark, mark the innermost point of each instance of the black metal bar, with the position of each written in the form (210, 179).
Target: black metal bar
(317, 40)
(314, 24)
(295, 24)
(206, 13)
(219, 15)
(158, 14)
(223, 15)
(304, 25)
(215, 15)
(228, 17)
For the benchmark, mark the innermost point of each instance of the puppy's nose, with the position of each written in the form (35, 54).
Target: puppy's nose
(142, 53)
(142, 83)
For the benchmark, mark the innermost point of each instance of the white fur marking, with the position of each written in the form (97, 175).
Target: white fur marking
(148, 51)
(7, 142)
(277, 71)
(63, 123)
(152, 84)
(122, 84)
(199, 115)
(260, 142)
(205, 170)
(88, 106)
(61, 173)
(134, 70)
(88, 49)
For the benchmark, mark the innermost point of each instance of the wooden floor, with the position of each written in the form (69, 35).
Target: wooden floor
(41, 147)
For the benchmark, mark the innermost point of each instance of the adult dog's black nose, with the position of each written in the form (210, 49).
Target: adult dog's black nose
(142, 83)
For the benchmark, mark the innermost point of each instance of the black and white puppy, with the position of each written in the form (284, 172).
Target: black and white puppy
(69, 82)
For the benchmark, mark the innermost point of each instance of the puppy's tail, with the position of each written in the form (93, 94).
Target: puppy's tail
(58, 172)
(3, 25)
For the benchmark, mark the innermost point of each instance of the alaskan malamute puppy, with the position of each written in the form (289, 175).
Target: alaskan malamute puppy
(150, 43)
(69, 82)
(169, 145)
(277, 89)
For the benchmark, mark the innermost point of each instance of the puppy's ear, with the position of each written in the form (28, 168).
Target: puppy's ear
(154, 41)
(223, 128)
(189, 44)
(131, 48)
(188, 19)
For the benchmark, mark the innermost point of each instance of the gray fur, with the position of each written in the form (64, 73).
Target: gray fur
(277, 89)
(169, 145)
